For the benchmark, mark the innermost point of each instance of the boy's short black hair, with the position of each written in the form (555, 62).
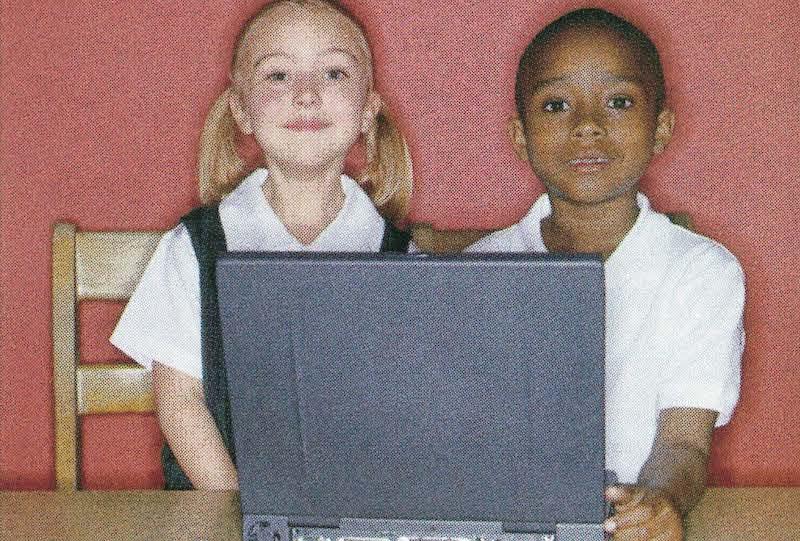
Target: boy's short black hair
(587, 18)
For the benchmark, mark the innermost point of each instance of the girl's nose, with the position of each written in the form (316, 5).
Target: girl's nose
(306, 91)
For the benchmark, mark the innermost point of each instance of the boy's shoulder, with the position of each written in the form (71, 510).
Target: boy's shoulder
(521, 236)
(510, 239)
(676, 249)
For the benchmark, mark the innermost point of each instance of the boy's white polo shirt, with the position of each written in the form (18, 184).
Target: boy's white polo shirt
(161, 321)
(674, 334)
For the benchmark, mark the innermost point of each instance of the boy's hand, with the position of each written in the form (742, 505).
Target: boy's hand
(642, 514)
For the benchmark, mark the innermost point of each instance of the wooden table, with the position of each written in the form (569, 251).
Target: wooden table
(723, 515)
(99, 516)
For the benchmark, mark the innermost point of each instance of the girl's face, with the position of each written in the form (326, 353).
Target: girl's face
(591, 125)
(303, 87)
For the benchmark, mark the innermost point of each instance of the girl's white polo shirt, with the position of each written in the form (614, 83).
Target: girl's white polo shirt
(674, 334)
(161, 321)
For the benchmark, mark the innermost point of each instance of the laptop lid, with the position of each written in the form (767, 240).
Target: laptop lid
(464, 387)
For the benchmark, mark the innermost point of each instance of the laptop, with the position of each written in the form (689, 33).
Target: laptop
(396, 397)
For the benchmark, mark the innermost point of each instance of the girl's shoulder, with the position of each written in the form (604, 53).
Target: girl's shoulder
(175, 254)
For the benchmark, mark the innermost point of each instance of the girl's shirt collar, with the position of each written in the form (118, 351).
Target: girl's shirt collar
(250, 223)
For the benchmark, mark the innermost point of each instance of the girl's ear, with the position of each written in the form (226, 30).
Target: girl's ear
(516, 131)
(239, 114)
(371, 109)
(665, 124)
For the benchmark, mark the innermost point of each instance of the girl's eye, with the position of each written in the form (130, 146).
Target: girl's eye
(277, 76)
(620, 102)
(556, 106)
(335, 75)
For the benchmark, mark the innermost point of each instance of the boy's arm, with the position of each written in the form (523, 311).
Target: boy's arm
(190, 430)
(437, 241)
(671, 481)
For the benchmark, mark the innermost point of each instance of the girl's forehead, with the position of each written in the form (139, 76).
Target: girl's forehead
(299, 31)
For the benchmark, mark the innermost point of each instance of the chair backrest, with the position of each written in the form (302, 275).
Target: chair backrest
(437, 241)
(92, 266)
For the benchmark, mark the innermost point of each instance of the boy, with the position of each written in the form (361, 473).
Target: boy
(591, 114)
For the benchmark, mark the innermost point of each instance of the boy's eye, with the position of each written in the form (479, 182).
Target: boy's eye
(556, 106)
(335, 74)
(620, 102)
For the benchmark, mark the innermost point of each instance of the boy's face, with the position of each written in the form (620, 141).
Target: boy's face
(591, 125)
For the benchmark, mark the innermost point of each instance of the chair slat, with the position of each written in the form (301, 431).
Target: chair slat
(682, 219)
(110, 264)
(114, 388)
(64, 356)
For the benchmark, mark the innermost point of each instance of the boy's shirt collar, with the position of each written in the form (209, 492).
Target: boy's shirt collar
(625, 263)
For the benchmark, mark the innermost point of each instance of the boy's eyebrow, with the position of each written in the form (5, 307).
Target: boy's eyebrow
(610, 77)
(332, 50)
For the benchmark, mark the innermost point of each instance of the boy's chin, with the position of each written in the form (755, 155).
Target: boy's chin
(590, 196)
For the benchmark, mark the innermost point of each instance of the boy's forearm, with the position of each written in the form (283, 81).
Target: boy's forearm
(197, 445)
(428, 239)
(678, 470)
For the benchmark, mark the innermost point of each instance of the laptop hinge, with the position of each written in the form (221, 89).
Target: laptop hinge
(273, 528)
(265, 528)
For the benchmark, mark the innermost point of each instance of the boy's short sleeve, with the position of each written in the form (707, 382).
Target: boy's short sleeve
(704, 367)
(161, 321)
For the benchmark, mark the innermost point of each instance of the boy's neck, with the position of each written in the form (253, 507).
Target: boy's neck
(596, 228)
(306, 201)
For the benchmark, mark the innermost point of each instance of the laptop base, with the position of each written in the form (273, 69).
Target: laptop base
(275, 528)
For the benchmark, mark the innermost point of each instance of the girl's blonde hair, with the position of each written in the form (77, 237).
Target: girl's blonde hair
(387, 177)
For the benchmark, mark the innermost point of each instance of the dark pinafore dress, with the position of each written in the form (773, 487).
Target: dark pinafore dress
(208, 240)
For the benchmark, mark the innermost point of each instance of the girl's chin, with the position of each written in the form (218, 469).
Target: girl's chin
(306, 164)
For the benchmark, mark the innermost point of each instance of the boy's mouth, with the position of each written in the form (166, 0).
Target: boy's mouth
(589, 164)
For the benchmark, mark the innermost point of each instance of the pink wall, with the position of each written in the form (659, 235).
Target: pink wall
(101, 109)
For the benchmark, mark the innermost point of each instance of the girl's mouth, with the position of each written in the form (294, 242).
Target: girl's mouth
(307, 124)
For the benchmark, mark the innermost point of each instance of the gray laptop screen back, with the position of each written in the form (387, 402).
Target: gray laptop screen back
(443, 388)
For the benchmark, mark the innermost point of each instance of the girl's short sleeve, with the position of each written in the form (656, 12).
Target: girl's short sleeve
(161, 321)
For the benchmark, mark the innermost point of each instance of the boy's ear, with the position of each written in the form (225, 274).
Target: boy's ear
(665, 124)
(239, 114)
(373, 106)
(516, 132)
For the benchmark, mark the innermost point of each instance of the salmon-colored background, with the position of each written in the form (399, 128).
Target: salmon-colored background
(102, 103)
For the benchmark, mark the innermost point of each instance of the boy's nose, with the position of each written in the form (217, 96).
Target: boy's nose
(588, 126)
(306, 91)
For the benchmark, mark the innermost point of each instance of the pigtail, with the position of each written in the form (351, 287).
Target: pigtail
(220, 168)
(388, 173)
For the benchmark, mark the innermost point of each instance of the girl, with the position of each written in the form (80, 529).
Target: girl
(302, 86)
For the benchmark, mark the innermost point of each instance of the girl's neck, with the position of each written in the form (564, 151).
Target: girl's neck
(596, 228)
(306, 201)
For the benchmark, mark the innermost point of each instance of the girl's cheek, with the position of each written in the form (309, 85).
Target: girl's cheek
(267, 95)
(350, 96)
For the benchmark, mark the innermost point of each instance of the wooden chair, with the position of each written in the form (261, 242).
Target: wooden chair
(107, 266)
(92, 266)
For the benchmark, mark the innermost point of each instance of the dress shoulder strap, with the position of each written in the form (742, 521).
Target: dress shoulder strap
(205, 229)
(394, 239)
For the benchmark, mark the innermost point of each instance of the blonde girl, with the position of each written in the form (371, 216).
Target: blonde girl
(301, 85)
